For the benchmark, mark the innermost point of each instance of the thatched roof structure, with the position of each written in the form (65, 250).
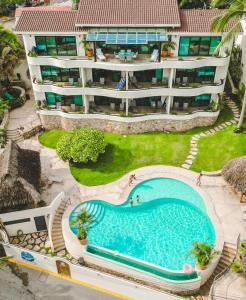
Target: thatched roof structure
(20, 172)
(234, 173)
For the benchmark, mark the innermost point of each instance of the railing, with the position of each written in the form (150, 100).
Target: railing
(142, 265)
(219, 276)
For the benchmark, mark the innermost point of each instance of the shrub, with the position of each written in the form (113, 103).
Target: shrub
(81, 145)
(3, 138)
(17, 102)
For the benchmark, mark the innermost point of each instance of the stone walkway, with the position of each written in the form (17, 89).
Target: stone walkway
(194, 140)
(24, 116)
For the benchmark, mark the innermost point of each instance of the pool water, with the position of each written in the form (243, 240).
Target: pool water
(160, 229)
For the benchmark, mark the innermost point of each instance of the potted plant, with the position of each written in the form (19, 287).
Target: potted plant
(203, 254)
(87, 47)
(83, 220)
(166, 47)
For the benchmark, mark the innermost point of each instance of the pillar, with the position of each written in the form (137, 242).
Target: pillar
(86, 104)
(127, 108)
(168, 105)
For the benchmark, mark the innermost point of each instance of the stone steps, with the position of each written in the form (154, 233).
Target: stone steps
(194, 140)
(227, 256)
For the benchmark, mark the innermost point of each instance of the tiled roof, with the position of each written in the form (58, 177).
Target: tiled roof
(198, 20)
(19, 10)
(47, 21)
(128, 12)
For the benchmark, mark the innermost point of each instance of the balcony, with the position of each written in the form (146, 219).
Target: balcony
(64, 88)
(142, 62)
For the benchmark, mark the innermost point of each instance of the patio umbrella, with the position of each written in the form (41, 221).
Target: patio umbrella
(234, 173)
(20, 171)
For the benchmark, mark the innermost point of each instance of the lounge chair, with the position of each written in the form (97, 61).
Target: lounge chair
(154, 55)
(100, 54)
(129, 58)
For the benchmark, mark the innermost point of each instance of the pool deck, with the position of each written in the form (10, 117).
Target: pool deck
(214, 190)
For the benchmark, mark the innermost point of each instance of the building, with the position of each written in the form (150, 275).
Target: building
(107, 58)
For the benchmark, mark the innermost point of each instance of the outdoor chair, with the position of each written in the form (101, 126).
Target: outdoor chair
(154, 55)
(73, 108)
(165, 81)
(178, 80)
(176, 105)
(185, 105)
(112, 106)
(135, 55)
(100, 54)
(122, 106)
(122, 58)
(58, 105)
(185, 80)
(154, 80)
(129, 58)
(102, 80)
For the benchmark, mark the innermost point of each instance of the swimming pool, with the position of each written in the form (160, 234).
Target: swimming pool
(159, 230)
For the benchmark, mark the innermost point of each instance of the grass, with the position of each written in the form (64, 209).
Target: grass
(125, 153)
(217, 149)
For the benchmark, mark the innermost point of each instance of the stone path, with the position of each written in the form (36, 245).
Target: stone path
(194, 140)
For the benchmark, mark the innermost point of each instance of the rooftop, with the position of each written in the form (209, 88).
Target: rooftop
(47, 21)
(115, 13)
(128, 12)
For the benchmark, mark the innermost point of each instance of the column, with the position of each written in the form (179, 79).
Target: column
(127, 80)
(127, 104)
(86, 104)
(170, 81)
(168, 105)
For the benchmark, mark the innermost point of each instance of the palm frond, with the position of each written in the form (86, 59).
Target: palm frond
(229, 35)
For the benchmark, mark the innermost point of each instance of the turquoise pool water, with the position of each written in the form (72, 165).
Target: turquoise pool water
(159, 229)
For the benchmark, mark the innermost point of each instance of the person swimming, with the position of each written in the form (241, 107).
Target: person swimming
(131, 202)
(137, 199)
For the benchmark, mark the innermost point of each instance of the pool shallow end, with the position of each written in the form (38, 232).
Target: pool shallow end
(76, 250)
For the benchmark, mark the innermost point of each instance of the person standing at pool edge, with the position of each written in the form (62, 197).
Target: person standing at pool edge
(199, 179)
(131, 202)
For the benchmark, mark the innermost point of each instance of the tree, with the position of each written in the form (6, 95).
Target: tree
(81, 145)
(5, 5)
(194, 3)
(4, 261)
(11, 52)
(242, 96)
(235, 13)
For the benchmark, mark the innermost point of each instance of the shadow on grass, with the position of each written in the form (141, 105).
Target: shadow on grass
(113, 160)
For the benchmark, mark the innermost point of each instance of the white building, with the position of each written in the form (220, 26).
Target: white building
(126, 71)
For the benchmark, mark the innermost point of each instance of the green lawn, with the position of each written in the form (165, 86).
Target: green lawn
(127, 152)
(217, 149)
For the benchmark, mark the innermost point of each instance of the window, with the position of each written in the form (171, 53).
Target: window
(56, 45)
(59, 74)
(65, 100)
(195, 46)
(199, 75)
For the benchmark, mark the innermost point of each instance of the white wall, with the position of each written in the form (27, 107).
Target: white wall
(28, 227)
(92, 277)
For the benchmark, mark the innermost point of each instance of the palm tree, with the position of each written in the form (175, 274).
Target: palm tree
(11, 52)
(235, 13)
(242, 95)
(4, 261)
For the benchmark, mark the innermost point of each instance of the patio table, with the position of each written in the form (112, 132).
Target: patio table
(125, 54)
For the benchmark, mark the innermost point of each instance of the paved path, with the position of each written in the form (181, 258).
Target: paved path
(24, 116)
